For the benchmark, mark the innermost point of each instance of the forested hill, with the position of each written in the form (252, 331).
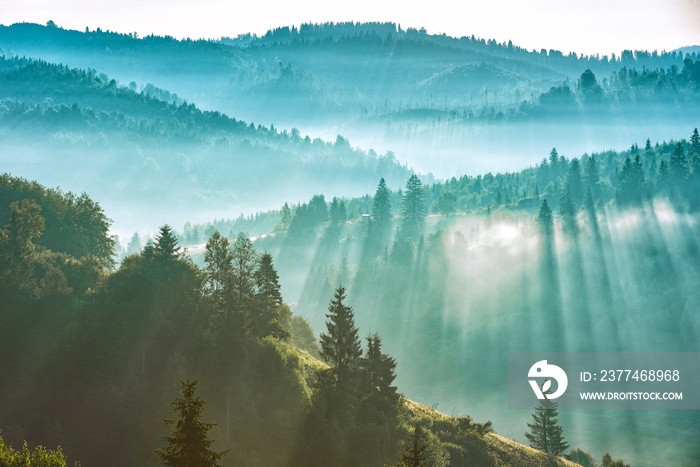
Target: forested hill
(567, 62)
(625, 178)
(92, 356)
(82, 130)
(337, 71)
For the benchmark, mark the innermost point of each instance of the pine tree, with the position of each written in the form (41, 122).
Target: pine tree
(337, 212)
(631, 183)
(134, 246)
(413, 208)
(574, 180)
(567, 211)
(381, 206)
(591, 176)
(694, 144)
(378, 374)
(166, 243)
(286, 216)
(188, 444)
(414, 453)
(268, 314)
(554, 162)
(340, 346)
(545, 433)
(545, 219)
(678, 166)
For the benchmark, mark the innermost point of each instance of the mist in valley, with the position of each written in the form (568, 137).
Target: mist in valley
(451, 306)
(530, 201)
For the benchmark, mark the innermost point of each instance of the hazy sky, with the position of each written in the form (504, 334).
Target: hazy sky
(584, 26)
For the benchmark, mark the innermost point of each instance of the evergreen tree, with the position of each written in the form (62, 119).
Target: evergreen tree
(694, 144)
(286, 216)
(340, 346)
(591, 177)
(664, 181)
(574, 181)
(413, 208)
(245, 262)
(381, 206)
(269, 314)
(567, 211)
(378, 374)
(631, 184)
(545, 218)
(647, 146)
(188, 444)
(678, 166)
(134, 246)
(218, 272)
(447, 203)
(337, 212)
(414, 453)
(589, 207)
(166, 243)
(545, 433)
(318, 210)
(554, 163)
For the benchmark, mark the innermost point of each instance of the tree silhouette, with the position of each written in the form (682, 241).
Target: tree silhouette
(567, 211)
(414, 453)
(381, 207)
(166, 243)
(694, 143)
(545, 432)
(188, 444)
(545, 219)
(413, 208)
(268, 313)
(340, 346)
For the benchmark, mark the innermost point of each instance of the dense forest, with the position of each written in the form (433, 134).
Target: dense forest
(92, 355)
(600, 259)
(56, 120)
(620, 178)
(324, 299)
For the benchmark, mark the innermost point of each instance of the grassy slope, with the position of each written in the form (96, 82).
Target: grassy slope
(507, 451)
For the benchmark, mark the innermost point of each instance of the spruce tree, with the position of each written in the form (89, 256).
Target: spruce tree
(188, 444)
(134, 246)
(574, 180)
(166, 243)
(694, 144)
(286, 216)
(381, 206)
(268, 314)
(545, 433)
(567, 211)
(340, 346)
(413, 208)
(545, 219)
(378, 374)
(678, 166)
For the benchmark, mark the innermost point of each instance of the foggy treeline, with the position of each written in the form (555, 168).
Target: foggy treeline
(261, 148)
